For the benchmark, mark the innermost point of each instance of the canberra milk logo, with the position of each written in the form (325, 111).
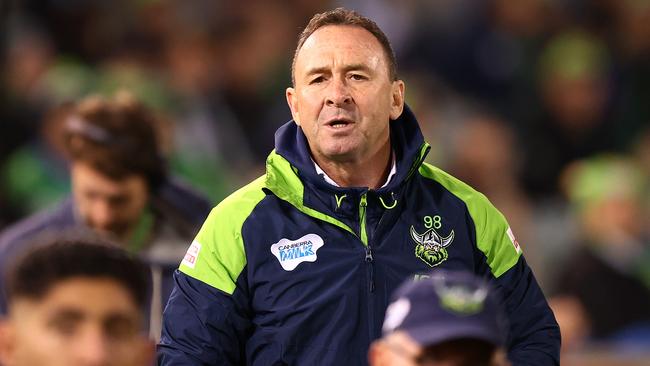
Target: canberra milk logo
(291, 253)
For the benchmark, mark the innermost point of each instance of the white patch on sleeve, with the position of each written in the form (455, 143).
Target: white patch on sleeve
(514, 241)
(291, 253)
(192, 254)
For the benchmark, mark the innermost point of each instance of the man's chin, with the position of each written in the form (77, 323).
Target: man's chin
(120, 235)
(341, 153)
(340, 157)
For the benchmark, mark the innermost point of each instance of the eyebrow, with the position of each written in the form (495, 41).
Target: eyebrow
(119, 317)
(347, 68)
(71, 314)
(66, 314)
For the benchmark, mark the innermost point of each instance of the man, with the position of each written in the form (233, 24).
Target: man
(611, 254)
(450, 319)
(76, 302)
(119, 189)
(297, 267)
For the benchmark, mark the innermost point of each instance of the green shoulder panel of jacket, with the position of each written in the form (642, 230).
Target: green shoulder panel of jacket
(217, 256)
(283, 180)
(493, 235)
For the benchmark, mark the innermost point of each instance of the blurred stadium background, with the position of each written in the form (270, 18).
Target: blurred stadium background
(543, 105)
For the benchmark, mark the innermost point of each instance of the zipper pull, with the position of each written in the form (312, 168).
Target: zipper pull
(368, 254)
(369, 260)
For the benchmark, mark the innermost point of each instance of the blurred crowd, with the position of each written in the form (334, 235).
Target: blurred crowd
(543, 105)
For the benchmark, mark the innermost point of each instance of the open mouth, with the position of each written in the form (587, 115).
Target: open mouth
(339, 123)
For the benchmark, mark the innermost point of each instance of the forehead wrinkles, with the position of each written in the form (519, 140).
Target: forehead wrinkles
(327, 45)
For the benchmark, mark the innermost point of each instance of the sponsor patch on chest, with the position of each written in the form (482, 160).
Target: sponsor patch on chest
(291, 253)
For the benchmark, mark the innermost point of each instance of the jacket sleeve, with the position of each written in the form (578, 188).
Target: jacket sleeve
(203, 325)
(534, 336)
(207, 320)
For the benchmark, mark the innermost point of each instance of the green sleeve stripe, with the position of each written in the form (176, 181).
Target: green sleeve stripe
(491, 226)
(221, 256)
(283, 181)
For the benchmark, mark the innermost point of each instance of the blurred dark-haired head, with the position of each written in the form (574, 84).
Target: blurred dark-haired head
(117, 136)
(60, 257)
(76, 300)
(116, 164)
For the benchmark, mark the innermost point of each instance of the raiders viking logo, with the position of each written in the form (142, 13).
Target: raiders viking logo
(431, 246)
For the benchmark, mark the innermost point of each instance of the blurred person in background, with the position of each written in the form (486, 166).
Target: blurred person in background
(484, 155)
(630, 41)
(120, 189)
(603, 291)
(448, 319)
(76, 300)
(27, 56)
(573, 120)
(346, 211)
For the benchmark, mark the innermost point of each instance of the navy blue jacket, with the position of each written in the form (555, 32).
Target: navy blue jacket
(290, 270)
(178, 212)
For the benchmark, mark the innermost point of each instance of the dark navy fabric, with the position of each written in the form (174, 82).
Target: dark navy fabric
(328, 312)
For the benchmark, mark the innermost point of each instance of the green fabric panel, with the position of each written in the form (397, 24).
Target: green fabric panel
(491, 226)
(222, 256)
(284, 182)
(362, 219)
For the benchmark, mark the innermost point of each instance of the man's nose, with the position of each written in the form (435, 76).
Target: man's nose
(338, 94)
(103, 214)
(92, 350)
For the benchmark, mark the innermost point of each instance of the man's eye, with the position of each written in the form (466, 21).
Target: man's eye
(66, 327)
(357, 77)
(317, 80)
(118, 201)
(120, 329)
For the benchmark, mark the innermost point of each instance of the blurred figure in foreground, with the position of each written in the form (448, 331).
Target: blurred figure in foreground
(58, 308)
(120, 189)
(450, 319)
(603, 293)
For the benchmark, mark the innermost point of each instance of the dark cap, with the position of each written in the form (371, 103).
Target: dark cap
(447, 306)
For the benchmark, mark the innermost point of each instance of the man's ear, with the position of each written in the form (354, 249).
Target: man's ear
(7, 340)
(292, 101)
(397, 99)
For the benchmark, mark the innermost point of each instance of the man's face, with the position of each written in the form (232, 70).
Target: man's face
(343, 97)
(399, 349)
(108, 206)
(80, 322)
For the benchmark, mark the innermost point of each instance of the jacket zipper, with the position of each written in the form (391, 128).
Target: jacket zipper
(363, 234)
(363, 204)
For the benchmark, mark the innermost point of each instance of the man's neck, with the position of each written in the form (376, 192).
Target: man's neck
(371, 173)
